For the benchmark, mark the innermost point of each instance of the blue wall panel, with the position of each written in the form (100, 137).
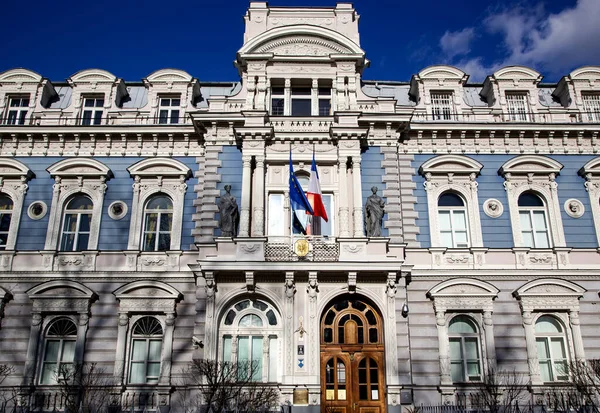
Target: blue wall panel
(231, 174)
(372, 175)
(497, 232)
(113, 234)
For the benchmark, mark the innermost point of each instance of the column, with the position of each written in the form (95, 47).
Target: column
(532, 359)
(288, 324)
(210, 325)
(82, 326)
(265, 359)
(258, 201)
(490, 345)
(32, 349)
(314, 97)
(343, 198)
(313, 323)
(134, 229)
(357, 190)
(167, 350)
(576, 330)
(444, 348)
(246, 194)
(121, 344)
(287, 98)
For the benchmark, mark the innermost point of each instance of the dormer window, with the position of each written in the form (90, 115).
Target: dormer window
(518, 109)
(168, 112)
(93, 108)
(591, 106)
(441, 105)
(17, 110)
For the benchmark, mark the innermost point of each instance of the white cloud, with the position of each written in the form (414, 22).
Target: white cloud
(457, 43)
(553, 44)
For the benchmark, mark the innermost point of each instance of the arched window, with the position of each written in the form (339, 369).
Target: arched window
(6, 209)
(465, 359)
(158, 224)
(351, 322)
(59, 350)
(534, 222)
(146, 348)
(247, 329)
(552, 349)
(77, 219)
(454, 231)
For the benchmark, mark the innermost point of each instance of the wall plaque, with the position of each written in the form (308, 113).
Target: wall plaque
(300, 396)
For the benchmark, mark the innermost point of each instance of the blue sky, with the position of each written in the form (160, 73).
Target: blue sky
(400, 37)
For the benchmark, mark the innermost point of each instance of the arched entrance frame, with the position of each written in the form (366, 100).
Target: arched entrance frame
(355, 355)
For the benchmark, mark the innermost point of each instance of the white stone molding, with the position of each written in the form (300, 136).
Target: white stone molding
(556, 297)
(73, 176)
(13, 182)
(453, 173)
(574, 208)
(37, 210)
(54, 299)
(139, 299)
(470, 297)
(493, 208)
(96, 82)
(591, 173)
(534, 173)
(519, 79)
(569, 89)
(117, 210)
(439, 78)
(154, 176)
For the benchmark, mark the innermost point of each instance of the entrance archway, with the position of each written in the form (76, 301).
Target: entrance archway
(352, 358)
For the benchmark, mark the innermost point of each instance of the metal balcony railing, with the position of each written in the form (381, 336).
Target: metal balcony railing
(509, 117)
(36, 120)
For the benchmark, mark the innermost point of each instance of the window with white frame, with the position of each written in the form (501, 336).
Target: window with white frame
(533, 220)
(516, 104)
(591, 106)
(249, 335)
(454, 232)
(275, 212)
(301, 101)
(145, 351)
(59, 350)
(441, 105)
(552, 349)
(93, 108)
(465, 353)
(77, 219)
(325, 101)
(16, 113)
(278, 101)
(6, 212)
(158, 224)
(316, 225)
(168, 111)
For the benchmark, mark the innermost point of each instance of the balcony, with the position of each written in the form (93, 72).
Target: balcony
(309, 248)
(112, 119)
(492, 116)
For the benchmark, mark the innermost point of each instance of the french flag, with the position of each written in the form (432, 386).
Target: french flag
(313, 194)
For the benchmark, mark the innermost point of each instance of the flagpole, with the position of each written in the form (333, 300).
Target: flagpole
(290, 200)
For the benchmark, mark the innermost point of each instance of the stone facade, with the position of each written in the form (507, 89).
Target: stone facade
(109, 228)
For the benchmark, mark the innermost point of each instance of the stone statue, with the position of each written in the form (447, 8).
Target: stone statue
(374, 210)
(229, 215)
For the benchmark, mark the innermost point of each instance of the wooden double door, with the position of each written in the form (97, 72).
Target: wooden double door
(352, 359)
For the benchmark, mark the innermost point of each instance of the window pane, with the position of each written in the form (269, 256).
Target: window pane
(460, 239)
(257, 352)
(277, 106)
(525, 220)
(545, 371)
(68, 354)
(97, 117)
(460, 222)
(138, 374)
(175, 102)
(450, 199)
(66, 243)
(151, 222)
(457, 372)
(471, 350)
(155, 349)
(163, 116)
(164, 242)
(446, 239)
(539, 220)
(83, 242)
(558, 348)
(473, 370)
(174, 116)
(301, 107)
(542, 349)
(166, 221)
(70, 223)
(243, 349)
(541, 240)
(455, 350)
(461, 325)
(52, 348)
(84, 222)
(226, 348)
(139, 350)
(445, 221)
(160, 202)
(153, 370)
(528, 239)
(273, 359)
(99, 103)
(49, 373)
(547, 324)
(5, 222)
(149, 241)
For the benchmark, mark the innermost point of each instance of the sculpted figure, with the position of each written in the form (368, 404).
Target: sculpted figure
(374, 211)
(229, 215)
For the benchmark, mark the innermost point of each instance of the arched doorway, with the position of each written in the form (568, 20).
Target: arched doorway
(352, 358)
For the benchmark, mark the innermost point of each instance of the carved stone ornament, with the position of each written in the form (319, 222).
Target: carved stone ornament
(549, 294)
(493, 208)
(574, 208)
(463, 294)
(147, 296)
(37, 210)
(117, 210)
(61, 296)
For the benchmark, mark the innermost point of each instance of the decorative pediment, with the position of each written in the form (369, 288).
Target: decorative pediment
(547, 287)
(169, 76)
(76, 167)
(586, 73)
(592, 168)
(442, 72)
(165, 167)
(301, 40)
(517, 73)
(10, 168)
(463, 287)
(61, 296)
(92, 76)
(147, 296)
(531, 164)
(455, 164)
(20, 76)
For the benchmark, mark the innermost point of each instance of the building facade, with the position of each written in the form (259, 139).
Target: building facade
(111, 249)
